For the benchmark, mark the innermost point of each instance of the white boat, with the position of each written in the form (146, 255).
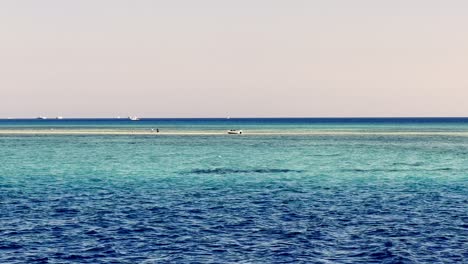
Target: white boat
(234, 132)
(59, 117)
(42, 118)
(133, 118)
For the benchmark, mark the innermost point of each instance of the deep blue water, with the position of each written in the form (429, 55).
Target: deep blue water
(256, 121)
(362, 198)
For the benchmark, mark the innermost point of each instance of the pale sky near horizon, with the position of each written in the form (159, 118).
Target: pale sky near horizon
(239, 58)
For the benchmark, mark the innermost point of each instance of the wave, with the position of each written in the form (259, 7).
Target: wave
(233, 171)
(415, 164)
(394, 170)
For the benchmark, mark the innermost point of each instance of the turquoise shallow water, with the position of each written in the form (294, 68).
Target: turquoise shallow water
(235, 199)
(249, 125)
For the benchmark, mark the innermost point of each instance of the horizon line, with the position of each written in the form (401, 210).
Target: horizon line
(240, 117)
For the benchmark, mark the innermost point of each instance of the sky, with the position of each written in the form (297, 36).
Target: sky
(242, 58)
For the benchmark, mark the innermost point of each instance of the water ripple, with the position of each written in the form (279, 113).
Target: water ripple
(165, 201)
(233, 171)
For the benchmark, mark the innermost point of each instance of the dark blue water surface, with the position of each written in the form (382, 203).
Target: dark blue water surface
(367, 198)
(297, 120)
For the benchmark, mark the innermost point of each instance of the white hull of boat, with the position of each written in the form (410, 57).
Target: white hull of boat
(234, 132)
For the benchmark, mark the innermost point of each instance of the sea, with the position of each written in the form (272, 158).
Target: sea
(288, 190)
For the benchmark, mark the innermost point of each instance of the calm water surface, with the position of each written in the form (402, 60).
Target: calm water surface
(235, 199)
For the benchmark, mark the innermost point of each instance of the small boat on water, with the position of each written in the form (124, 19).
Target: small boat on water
(42, 118)
(133, 118)
(234, 132)
(59, 117)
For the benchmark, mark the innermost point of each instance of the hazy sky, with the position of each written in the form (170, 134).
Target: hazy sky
(217, 58)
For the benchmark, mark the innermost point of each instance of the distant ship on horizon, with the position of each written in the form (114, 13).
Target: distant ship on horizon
(134, 118)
